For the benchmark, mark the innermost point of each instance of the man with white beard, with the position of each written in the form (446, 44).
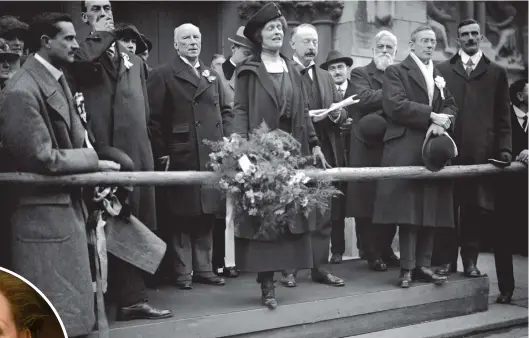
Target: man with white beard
(365, 150)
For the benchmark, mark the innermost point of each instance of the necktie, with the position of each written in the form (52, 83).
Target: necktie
(195, 70)
(524, 124)
(468, 67)
(340, 93)
(306, 70)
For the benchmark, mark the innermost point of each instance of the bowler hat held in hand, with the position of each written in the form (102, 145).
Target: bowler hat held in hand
(438, 150)
(371, 129)
(107, 153)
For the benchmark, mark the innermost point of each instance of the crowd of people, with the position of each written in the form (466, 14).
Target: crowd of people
(69, 107)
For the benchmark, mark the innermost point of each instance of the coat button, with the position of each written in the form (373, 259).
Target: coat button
(197, 123)
(218, 124)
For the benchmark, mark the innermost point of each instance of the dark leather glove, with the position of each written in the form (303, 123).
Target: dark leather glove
(505, 156)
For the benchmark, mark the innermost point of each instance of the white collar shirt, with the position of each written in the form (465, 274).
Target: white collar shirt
(56, 73)
(311, 64)
(475, 58)
(520, 115)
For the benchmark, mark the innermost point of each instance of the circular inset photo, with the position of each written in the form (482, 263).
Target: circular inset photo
(25, 312)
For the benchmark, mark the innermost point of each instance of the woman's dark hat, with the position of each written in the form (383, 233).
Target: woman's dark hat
(147, 41)
(10, 24)
(128, 30)
(335, 57)
(241, 40)
(371, 129)
(437, 151)
(6, 53)
(267, 13)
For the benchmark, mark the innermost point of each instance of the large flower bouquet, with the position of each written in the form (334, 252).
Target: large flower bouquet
(262, 178)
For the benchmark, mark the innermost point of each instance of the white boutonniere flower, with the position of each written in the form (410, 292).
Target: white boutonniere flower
(79, 105)
(206, 73)
(126, 60)
(441, 84)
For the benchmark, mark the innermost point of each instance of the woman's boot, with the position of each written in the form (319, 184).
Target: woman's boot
(268, 296)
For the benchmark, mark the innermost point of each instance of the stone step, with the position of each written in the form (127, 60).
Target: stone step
(369, 302)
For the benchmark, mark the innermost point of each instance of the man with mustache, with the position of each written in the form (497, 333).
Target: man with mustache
(320, 92)
(112, 81)
(188, 105)
(366, 151)
(482, 131)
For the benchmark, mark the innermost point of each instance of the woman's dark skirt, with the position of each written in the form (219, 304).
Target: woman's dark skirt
(290, 252)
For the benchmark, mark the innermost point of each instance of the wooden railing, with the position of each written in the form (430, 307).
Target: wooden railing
(158, 178)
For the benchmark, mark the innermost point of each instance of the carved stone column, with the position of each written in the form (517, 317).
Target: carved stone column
(481, 15)
(322, 14)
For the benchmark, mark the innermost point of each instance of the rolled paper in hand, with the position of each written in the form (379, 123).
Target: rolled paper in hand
(342, 104)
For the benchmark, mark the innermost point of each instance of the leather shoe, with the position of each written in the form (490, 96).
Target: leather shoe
(424, 274)
(209, 280)
(405, 278)
(230, 272)
(288, 280)
(377, 265)
(141, 311)
(504, 298)
(444, 270)
(471, 270)
(336, 258)
(184, 285)
(329, 279)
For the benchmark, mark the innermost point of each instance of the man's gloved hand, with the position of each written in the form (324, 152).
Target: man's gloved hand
(505, 156)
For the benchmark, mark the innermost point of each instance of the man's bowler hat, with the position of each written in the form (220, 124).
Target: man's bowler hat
(371, 129)
(335, 57)
(240, 40)
(437, 151)
(267, 13)
(128, 30)
(6, 53)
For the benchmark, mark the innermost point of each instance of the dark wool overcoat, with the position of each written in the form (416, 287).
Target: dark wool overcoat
(405, 102)
(366, 83)
(187, 109)
(41, 134)
(117, 107)
(256, 101)
(483, 124)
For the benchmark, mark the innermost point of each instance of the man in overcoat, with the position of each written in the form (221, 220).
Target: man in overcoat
(414, 102)
(42, 133)
(112, 81)
(188, 105)
(482, 131)
(366, 83)
(339, 67)
(320, 91)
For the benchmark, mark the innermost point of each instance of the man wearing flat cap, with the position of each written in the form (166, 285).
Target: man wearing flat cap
(321, 93)
(366, 145)
(112, 81)
(14, 32)
(416, 104)
(338, 67)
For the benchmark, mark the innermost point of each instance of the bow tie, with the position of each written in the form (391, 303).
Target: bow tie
(305, 70)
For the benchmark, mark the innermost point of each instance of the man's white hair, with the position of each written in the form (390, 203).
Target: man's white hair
(303, 25)
(177, 30)
(382, 34)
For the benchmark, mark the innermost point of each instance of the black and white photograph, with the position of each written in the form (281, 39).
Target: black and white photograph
(282, 169)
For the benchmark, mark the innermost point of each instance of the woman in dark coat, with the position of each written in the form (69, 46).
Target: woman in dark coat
(268, 88)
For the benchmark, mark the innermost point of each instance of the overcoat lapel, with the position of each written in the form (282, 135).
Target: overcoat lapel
(457, 67)
(203, 82)
(108, 64)
(436, 90)
(415, 73)
(183, 71)
(316, 73)
(265, 80)
(481, 68)
(375, 73)
(52, 90)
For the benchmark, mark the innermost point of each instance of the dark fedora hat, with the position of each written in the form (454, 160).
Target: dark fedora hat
(241, 40)
(371, 129)
(147, 41)
(437, 151)
(127, 30)
(335, 57)
(10, 24)
(6, 53)
(267, 13)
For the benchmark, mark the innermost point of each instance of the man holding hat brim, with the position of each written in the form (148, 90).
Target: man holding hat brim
(14, 32)
(338, 67)
(365, 150)
(416, 104)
